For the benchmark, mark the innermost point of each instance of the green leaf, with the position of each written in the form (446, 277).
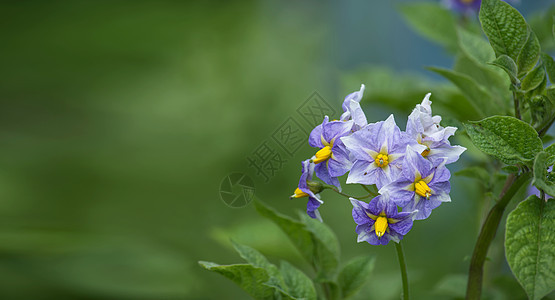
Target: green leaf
(510, 169)
(550, 150)
(507, 138)
(354, 274)
(440, 28)
(541, 180)
(504, 26)
(508, 65)
(533, 79)
(551, 155)
(256, 259)
(529, 55)
(326, 245)
(549, 66)
(452, 285)
(475, 46)
(479, 97)
(312, 240)
(530, 245)
(248, 277)
(478, 173)
(297, 284)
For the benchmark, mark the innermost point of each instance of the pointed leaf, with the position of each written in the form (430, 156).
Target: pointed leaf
(297, 284)
(504, 26)
(248, 277)
(507, 138)
(549, 66)
(508, 65)
(476, 94)
(313, 246)
(530, 245)
(475, 46)
(355, 274)
(529, 55)
(256, 259)
(534, 78)
(327, 245)
(440, 28)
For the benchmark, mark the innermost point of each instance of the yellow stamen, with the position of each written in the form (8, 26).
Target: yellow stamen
(381, 226)
(322, 155)
(422, 189)
(382, 160)
(299, 194)
(426, 152)
(467, 1)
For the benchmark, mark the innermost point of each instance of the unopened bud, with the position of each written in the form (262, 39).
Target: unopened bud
(315, 186)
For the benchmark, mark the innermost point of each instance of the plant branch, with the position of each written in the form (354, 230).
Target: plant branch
(403, 266)
(487, 233)
(333, 188)
(516, 101)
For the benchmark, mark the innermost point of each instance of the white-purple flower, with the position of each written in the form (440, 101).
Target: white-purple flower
(303, 190)
(353, 111)
(378, 150)
(426, 130)
(332, 160)
(421, 186)
(378, 222)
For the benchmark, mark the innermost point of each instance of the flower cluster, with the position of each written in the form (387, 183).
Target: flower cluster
(407, 167)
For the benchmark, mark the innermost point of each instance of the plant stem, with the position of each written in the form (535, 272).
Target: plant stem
(402, 264)
(487, 233)
(331, 187)
(517, 105)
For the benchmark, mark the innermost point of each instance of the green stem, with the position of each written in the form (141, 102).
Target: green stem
(487, 233)
(331, 187)
(402, 264)
(516, 101)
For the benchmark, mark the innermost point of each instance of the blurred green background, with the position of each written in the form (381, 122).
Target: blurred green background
(119, 120)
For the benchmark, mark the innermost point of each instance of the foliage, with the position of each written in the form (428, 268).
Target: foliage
(503, 78)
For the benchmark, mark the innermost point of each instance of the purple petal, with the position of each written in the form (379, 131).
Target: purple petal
(403, 226)
(359, 212)
(445, 151)
(339, 163)
(414, 163)
(363, 172)
(315, 138)
(336, 129)
(366, 234)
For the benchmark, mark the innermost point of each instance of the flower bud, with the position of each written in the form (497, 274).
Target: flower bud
(315, 186)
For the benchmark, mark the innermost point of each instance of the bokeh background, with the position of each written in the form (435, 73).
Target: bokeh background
(120, 119)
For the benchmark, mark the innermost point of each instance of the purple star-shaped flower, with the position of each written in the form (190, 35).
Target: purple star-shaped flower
(303, 190)
(332, 160)
(425, 129)
(378, 222)
(378, 149)
(421, 186)
(353, 111)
